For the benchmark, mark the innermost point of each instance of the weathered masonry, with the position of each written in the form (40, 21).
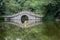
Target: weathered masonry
(24, 18)
(26, 14)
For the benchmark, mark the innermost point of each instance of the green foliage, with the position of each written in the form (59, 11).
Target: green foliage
(51, 11)
(11, 6)
(36, 6)
(1, 7)
(14, 6)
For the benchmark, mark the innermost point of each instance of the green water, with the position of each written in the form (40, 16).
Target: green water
(44, 31)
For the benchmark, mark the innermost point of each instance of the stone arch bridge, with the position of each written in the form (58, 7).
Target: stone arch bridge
(23, 16)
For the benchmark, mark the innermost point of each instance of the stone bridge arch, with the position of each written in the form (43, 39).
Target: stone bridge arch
(29, 14)
(32, 19)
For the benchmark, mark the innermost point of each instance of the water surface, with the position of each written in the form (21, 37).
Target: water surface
(42, 31)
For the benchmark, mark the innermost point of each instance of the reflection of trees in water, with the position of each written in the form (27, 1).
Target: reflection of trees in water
(52, 29)
(2, 32)
(12, 32)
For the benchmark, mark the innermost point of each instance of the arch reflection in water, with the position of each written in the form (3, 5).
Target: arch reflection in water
(26, 24)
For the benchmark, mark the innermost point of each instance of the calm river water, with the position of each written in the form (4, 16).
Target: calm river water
(36, 30)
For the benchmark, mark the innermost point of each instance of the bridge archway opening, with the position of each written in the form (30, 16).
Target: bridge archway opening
(24, 18)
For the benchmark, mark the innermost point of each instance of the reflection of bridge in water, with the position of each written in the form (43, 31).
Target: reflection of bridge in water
(29, 23)
(24, 19)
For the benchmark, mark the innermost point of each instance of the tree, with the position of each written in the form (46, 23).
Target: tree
(11, 6)
(36, 6)
(1, 7)
(14, 6)
(51, 11)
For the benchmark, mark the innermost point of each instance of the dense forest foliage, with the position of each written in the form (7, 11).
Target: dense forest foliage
(14, 6)
(47, 7)
(52, 11)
